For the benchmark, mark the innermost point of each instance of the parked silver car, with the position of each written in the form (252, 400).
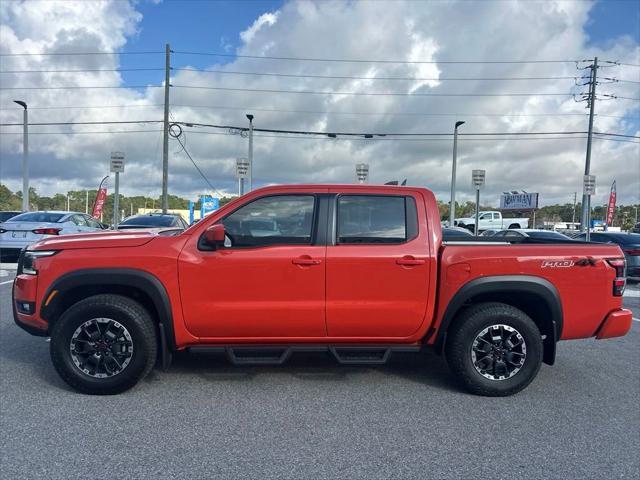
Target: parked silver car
(29, 227)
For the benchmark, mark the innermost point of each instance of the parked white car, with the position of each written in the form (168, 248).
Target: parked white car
(491, 220)
(29, 227)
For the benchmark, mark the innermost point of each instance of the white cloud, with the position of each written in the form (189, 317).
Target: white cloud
(268, 19)
(410, 31)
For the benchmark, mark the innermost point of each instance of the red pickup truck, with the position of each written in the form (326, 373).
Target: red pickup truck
(358, 271)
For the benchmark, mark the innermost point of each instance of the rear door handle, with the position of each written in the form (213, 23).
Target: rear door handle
(409, 260)
(306, 260)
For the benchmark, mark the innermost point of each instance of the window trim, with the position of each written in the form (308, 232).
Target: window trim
(314, 223)
(334, 220)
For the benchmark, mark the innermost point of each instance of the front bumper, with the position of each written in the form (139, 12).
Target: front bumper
(24, 291)
(617, 324)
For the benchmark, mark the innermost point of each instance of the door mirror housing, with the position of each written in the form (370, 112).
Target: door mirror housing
(213, 236)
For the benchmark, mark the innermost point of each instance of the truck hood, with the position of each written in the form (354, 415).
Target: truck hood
(110, 239)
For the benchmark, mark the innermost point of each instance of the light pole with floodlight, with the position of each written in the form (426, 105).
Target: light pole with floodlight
(25, 157)
(250, 176)
(452, 206)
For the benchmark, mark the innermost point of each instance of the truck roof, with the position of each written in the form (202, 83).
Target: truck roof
(350, 186)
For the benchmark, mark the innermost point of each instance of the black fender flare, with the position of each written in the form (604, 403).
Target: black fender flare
(142, 280)
(512, 284)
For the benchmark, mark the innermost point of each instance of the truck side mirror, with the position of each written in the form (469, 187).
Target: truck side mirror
(214, 236)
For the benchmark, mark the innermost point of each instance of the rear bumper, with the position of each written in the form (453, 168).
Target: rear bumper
(617, 324)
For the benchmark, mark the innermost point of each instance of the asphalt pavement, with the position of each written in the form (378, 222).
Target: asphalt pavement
(313, 418)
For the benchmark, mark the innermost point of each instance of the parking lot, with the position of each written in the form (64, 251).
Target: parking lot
(313, 418)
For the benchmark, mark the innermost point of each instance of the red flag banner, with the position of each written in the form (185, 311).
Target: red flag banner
(611, 210)
(101, 196)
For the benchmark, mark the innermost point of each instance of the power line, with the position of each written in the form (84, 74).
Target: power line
(86, 70)
(82, 133)
(429, 139)
(79, 123)
(81, 87)
(76, 53)
(621, 63)
(621, 98)
(70, 107)
(389, 94)
(184, 149)
(325, 137)
(351, 77)
(368, 134)
(318, 112)
(353, 60)
(411, 114)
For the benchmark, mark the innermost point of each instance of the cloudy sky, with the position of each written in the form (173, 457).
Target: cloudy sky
(406, 79)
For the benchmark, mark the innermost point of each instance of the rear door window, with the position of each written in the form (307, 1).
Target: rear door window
(376, 219)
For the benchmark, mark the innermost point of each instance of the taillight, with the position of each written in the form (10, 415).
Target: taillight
(634, 252)
(47, 231)
(620, 281)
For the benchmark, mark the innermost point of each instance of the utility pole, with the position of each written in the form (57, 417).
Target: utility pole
(25, 157)
(165, 138)
(86, 202)
(587, 166)
(452, 206)
(250, 177)
(575, 199)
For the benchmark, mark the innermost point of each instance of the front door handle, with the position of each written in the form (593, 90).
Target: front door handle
(409, 260)
(306, 260)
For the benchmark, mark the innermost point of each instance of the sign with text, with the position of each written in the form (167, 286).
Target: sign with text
(477, 178)
(117, 162)
(519, 201)
(208, 204)
(589, 185)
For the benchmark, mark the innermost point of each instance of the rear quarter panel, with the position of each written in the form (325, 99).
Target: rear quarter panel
(585, 291)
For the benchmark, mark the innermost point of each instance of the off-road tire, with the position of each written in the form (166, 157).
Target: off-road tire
(125, 311)
(462, 334)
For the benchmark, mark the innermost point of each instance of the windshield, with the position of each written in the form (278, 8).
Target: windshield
(149, 221)
(624, 238)
(549, 235)
(44, 217)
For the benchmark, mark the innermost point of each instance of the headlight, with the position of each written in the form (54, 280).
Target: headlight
(29, 260)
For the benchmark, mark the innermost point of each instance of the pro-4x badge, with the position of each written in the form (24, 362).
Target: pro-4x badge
(557, 263)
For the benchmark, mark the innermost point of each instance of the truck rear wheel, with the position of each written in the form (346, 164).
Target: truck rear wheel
(494, 349)
(103, 344)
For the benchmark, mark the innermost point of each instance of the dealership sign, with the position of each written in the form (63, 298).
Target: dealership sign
(519, 201)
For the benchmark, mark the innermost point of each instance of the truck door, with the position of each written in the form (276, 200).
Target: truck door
(377, 266)
(268, 280)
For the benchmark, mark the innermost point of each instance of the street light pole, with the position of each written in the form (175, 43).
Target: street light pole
(452, 206)
(25, 157)
(250, 176)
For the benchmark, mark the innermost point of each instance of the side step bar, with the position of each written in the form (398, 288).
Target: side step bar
(279, 354)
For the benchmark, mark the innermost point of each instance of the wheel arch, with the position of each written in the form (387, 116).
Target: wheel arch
(138, 285)
(535, 296)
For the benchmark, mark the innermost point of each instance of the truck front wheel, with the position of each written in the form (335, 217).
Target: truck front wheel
(103, 344)
(494, 349)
